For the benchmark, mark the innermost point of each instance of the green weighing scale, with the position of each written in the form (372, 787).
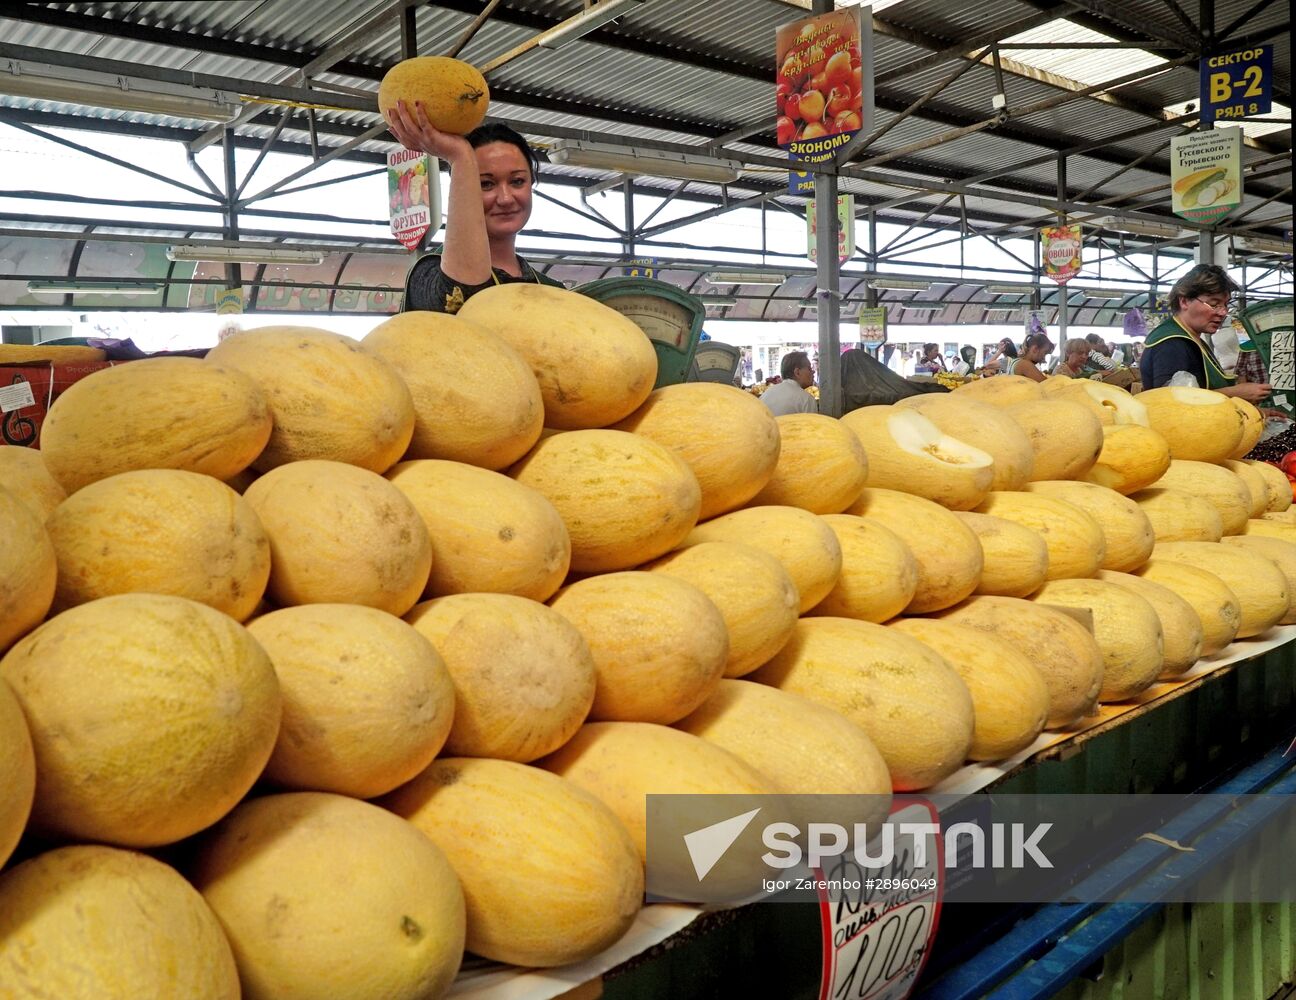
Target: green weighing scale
(1269, 324)
(670, 317)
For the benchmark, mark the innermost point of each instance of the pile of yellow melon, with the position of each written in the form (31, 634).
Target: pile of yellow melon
(394, 637)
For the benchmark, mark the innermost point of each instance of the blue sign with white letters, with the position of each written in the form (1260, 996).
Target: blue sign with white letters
(1237, 84)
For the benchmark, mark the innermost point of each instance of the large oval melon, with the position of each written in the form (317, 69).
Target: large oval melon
(1015, 558)
(594, 365)
(1216, 606)
(1002, 390)
(158, 413)
(1280, 488)
(822, 467)
(1270, 528)
(726, 436)
(997, 434)
(1133, 457)
(1216, 485)
(1127, 532)
(1181, 629)
(1066, 437)
(17, 772)
(1280, 551)
(879, 574)
(23, 473)
(1259, 585)
(1255, 483)
(1253, 424)
(569, 858)
(1179, 516)
(1076, 546)
(28, 570)
(150, 715)
(453, 93)
(1113, 406)
(1198, 424)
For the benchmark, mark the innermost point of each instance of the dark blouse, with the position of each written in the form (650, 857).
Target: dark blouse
(428, 287)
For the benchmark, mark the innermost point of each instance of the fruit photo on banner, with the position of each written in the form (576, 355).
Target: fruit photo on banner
(819, 85)
(1060, 250)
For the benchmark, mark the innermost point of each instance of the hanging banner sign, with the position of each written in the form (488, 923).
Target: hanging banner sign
(229, 302)
(1206, 174)
(845, 228)
(1237, 84)
(800, 182)
(1060, 249)
(409, 198)
(872, 324)
(819, 86)
(641, 267)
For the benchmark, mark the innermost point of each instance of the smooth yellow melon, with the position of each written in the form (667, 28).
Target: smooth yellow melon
(160, 531)
(1065, 652)
(1002, 390)
(17, 772)
(1198, 424)
(523, 675)
(323, 895)
(475, 398)
(909, 700)
(159, 413)
(573, 882)
(98, 923)
(28, 570)
(1009, 697)
(453, 93)
(1260, 586)
(1112, 406)
(879, 574)
(1181, 628)
(341, 535)
(329, 399)
(625, 498)
(804, 544)
(1279, 486)
(23, 473)
(1282, 516)
(725, 435)
(1256, 484)
(1179, 516)
(594, 365)
(1132, 458)
(1127, 532)
(996, 433)
(1216, 606)
(367, 700)
(1076, 547)
(822, 467)
(659, 644)
(1253, 423)
(150, 715)
(909, 453)
(1126, 626)
(947, 551)
(1015, 557)
(59, 354)
(1271, 528)
(754, 593)
(1281, 551)
(1066, 437)
(1215, 484)
(489, 533)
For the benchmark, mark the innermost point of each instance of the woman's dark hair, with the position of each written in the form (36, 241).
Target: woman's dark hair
(1204, 279)
(1009, 348)
(484, 135)
(928, 348)
(1036, 340)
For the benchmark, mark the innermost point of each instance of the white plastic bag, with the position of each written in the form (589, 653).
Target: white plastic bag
(1185, 380)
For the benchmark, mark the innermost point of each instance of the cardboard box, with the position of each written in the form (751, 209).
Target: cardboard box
(27, 391)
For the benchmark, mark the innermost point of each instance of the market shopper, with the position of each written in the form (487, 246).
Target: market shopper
(1199, 303)
(1075, 352)
(1099, 356)
(932, 359)
(492, 171)
(789, 395)
(1035, 348)
(1003, 357)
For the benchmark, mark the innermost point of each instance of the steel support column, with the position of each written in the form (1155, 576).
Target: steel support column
(233, 272)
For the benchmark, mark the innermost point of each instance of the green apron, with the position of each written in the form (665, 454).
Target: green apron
(1171, 328)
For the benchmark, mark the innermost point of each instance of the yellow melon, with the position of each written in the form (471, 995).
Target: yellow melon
(803, 543)
(159, 413)
(1255, 483)
(1198, 424)
(489, 533)
(659, 644)
(150, 715)
(1253, 424)
(1215, 484)
(23, 473)
(1278, 485)
(1002, 390)
(997, 434)
(1015, 557)
(912, 704)
(59, 354)
(909, 453)
(1280, 551)
(879, 574)
(1076, 547)
(1181, 629)
(1112, 405)
(323, 895)
(1066, 437)
(487, 413)
(453, 93)
(570, 859)
(97, 922)
(1216, 606)
(1260, 586)
(523, 675)
(367, 700)
(1179, 516)
(624, 498)
(1127, 532)
(17, 772)
(754, 593)
(1009, 697)
(1271, 528)
(160, 531)
(594, 365)
(947, 551)
(821, 466)
(1132, 458)
(28, 570)
(1065, 652)
(1127, 629)
(341, 535)
(1282, 516)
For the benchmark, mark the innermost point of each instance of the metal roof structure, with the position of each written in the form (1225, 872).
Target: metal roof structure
(681, 76)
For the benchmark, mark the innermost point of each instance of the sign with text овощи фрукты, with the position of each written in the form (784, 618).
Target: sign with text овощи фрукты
(1061, 249)
(1206, 174)
(410, 176)
(819, 88)
(845, 228)
(1237, 84)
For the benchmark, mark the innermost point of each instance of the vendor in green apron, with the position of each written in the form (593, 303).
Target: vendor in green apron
(492, 170)
(1199, 303)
